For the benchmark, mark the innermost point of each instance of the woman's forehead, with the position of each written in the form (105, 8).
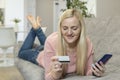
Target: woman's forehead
(71, 20)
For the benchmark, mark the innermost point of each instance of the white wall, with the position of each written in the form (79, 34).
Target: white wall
(58, 6)
(14, 11)
(2, 3)
(19, 9)
(91, 5)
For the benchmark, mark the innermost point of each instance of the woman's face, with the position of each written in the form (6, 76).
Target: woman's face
(70, 28)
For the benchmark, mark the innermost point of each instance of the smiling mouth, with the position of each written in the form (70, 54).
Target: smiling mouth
(69, 37)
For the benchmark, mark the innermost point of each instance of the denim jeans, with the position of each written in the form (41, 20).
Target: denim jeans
(27, 52)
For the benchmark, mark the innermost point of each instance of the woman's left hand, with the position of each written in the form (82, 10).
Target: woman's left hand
(98, 69)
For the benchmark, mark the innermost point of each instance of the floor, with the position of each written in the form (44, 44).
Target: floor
(10, 73)
(11, 53)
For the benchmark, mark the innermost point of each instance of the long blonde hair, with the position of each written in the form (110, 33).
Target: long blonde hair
(81, 46)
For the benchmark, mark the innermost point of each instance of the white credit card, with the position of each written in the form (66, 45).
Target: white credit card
(63, 59)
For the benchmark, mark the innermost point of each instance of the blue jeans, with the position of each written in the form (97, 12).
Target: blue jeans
(27, 52)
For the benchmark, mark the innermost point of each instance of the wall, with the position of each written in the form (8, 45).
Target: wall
(91, 5)
(107, 8)
(58, 6)
(29, 9)
(2, 3)
(44, 9)
(20, 10)
(15, 11)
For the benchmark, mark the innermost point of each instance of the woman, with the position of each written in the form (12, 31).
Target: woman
(70, 40)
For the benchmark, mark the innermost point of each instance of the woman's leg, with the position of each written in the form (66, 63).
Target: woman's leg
(27, 52)
(29, 41)
(26, 49)
(40, 35)
(31, 54)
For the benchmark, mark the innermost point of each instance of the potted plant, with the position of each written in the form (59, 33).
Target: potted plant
(77, 4)
(1, 17)
(16, 21)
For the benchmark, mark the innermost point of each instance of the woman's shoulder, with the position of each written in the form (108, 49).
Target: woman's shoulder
(90, 46)
(52, 38)
(88, 41)
(53, 35)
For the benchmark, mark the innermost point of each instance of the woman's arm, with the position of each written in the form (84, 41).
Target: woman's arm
(53, 69)
(97, 69)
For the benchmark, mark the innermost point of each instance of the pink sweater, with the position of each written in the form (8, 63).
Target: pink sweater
(44, 58)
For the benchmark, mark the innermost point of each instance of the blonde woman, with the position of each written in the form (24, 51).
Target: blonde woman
(70, 40)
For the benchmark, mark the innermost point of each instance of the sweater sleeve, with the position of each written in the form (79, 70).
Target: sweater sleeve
(49, 51)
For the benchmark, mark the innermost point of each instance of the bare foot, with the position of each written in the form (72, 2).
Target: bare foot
(38, 21)
(35, 23)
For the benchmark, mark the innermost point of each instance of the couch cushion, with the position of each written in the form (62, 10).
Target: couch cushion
(104, 34)
(29, 70)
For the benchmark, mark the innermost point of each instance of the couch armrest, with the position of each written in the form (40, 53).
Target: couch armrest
(29, 70)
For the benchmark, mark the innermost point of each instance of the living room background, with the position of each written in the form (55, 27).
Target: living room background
(47, 10)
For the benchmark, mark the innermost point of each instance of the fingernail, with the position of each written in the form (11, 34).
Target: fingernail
(93, 65)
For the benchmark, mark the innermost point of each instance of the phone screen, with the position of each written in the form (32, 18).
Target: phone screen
(105, 58)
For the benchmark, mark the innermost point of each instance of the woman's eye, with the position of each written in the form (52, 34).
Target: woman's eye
(75, 28)
(65, 28)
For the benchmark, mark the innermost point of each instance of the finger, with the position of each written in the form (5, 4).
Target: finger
(101, 63)
(103, 66)
(100, 67)
(95, 68)
(57, 64)
(95, 73)
(54, 58)
(57, 69)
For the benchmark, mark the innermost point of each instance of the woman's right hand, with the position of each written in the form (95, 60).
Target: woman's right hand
(56, 68)
(35, 22)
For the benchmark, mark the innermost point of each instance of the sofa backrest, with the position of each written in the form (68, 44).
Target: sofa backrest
(105, 35)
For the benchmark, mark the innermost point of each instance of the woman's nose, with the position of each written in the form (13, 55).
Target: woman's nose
(69, 31)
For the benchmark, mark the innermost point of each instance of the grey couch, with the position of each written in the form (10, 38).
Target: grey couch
(105, 36)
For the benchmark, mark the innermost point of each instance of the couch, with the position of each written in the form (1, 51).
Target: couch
(104, 33)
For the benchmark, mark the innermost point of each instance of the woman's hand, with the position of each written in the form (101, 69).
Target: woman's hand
(56, 68)
(98, 69)
(35, 22)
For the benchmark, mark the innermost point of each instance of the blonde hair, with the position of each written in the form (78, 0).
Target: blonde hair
(81, 46)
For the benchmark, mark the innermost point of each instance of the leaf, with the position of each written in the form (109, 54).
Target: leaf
(78, 5)
(16, 20)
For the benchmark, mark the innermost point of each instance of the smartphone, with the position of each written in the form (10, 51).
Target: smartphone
(105, 58)
(64, 59)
